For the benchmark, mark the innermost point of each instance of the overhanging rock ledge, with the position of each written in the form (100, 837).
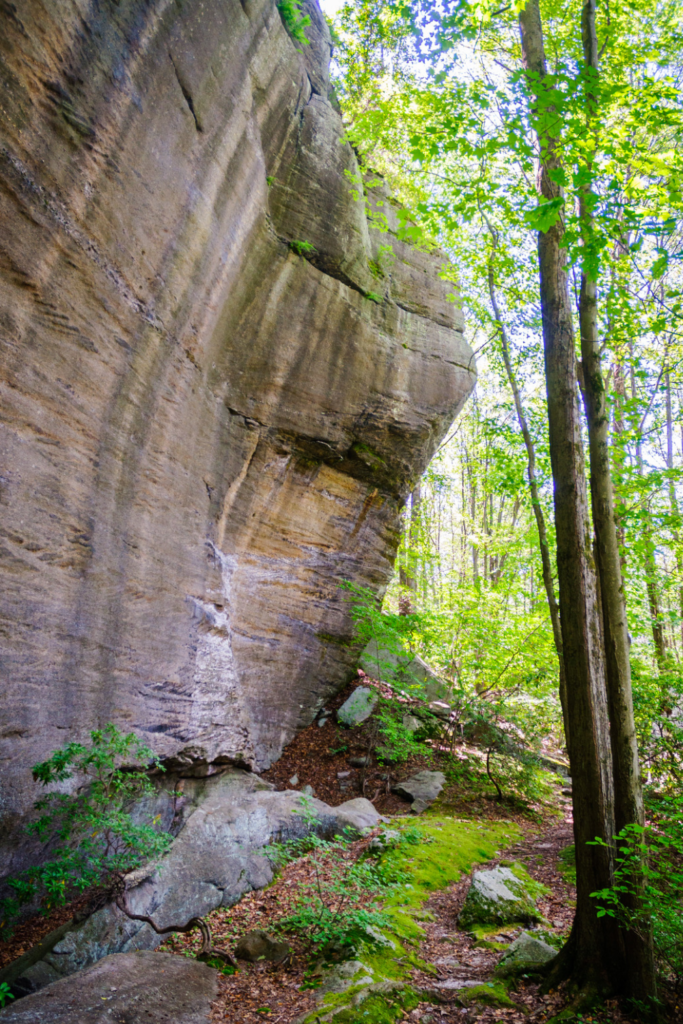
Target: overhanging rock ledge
(202, 432)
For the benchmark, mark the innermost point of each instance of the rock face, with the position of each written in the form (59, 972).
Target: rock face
(216, 858)
(402, 670)
(202, 433)
(138, 988)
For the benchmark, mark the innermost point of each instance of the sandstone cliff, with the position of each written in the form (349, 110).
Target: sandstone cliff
(202, 432)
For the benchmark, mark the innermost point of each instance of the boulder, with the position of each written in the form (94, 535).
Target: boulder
(421, 789)
(411, 723)
(358, 706)
(344, 976)
(138, 988)
(216, 858)
(358, 814)
(258, 945)
(499, 896)
(403, 670)
(525, 955)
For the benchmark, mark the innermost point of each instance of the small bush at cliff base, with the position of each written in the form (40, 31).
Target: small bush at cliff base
(90, 837)
(335, 907)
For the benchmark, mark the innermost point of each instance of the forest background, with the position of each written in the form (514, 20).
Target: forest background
(490, 157)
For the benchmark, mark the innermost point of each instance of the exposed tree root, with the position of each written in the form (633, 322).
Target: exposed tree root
(208, 950)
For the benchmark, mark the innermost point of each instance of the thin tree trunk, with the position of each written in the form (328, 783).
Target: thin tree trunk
(628, 794)
(591, 955)
(407, 573)
(533, 489)
(649, 564)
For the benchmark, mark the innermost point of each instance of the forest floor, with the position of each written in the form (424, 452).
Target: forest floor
(281, 995)
(444, 957)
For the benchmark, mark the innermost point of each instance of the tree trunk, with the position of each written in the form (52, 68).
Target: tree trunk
(592, 954)
(535, 500)
(649, 564)
(673, 501)
(407, 573)
(628, 795)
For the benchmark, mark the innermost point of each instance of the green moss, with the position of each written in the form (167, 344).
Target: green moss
(535, 889)
(449, 849)
(566, 862)
(489, 994)
(372, 1007)
(370, 458)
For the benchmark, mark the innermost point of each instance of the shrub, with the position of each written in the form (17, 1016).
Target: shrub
(89, 836)
(335, 907)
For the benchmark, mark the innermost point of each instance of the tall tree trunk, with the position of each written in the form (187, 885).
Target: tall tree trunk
(591, 955)
(673, 500)
(628, 795)
(546, 565)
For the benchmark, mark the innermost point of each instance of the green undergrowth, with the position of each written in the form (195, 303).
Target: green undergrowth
(567, 864)
(448, 849)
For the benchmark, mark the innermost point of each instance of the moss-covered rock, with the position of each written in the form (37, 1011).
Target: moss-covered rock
(526, 955)
(500, 896)
(491, 993)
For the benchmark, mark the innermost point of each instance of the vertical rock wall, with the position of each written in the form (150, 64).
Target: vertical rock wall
(202, 433)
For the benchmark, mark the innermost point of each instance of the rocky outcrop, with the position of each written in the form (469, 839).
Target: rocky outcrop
(222, 825)
(205, 426)
(499, 896)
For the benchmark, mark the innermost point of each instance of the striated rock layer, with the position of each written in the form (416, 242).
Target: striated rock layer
(202, 432)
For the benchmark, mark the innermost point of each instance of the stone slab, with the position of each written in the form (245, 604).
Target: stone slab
(138, 988)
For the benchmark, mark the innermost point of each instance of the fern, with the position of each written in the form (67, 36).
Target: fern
(302, 248)
(295, 21)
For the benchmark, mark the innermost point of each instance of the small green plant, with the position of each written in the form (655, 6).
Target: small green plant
(373, 296)
(270, 180)
(654, 852)
(295, 21)
(5, 994)
(89, 835)
(334, 907)
(302, 248)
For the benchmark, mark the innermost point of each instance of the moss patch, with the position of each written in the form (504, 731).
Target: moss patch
(566, 863)
(489, 994)
(449, 848)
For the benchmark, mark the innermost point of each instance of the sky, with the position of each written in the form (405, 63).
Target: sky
(330, 7)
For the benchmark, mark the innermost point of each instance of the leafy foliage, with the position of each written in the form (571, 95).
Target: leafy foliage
(295, 21)
(302, 248)
(657, 850)
(89, 834)
(335, 907)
